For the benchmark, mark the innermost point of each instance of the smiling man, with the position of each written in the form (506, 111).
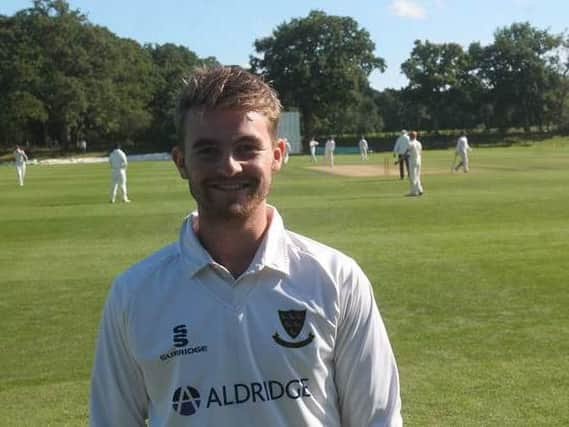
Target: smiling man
(241, 322)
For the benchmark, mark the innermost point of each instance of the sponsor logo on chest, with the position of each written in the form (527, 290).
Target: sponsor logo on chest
(181, 342)
(187, 400)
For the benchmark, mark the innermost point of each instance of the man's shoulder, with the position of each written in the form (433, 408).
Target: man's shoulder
(339, 274)
(402, 139)
(306, 249)
(138, 273)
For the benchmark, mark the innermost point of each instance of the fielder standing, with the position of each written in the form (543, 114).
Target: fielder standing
(363, 146)
(240, 322)
(400, 152)
(329, 149)
(119, 163)
(414, 152)
(461, 150)
(288, 149)
(20, 158)
(312, 144)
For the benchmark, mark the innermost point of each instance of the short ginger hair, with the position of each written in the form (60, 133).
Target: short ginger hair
(222, 87)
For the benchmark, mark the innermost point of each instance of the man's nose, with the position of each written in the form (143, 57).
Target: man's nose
(229, 164)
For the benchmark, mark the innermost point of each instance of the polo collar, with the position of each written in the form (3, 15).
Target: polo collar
(272, 252)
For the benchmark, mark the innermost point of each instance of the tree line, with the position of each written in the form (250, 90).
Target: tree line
(63, 78)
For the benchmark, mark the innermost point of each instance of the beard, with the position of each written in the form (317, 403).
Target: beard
(227, 205)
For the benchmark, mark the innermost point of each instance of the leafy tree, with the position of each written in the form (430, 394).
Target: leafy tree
(319, 64)
(62, 77)
(364, 118)
(172, 64)
(20, 107)
(56, 32)
(434, 70)
(517, 68)
(557, 98)
(390, 107)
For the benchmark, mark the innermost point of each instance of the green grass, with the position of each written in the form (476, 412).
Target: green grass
(471, 278)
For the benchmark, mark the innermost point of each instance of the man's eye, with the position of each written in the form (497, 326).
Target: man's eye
(207, 152)
(246, 150)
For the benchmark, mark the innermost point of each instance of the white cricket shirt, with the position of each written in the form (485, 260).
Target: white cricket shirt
(462, 145)
(401, 144)
(118, 159)
(414, 149)
(20, 157)
(296, 340)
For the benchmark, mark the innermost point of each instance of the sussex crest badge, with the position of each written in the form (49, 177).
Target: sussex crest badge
(292, 322)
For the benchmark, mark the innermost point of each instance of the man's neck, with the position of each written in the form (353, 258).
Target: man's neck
(233, 243)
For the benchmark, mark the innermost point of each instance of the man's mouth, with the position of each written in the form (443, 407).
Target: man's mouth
(231, 186)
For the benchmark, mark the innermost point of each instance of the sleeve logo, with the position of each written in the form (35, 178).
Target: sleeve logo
(293, 322)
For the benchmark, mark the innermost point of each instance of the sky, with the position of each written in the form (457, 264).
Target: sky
(227, 29)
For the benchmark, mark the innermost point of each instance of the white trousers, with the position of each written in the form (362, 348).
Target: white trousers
(463, 160)
(118, 181)
(329, 157)
(415, 186)
(313, 154)
(363, 154)
(21, 172)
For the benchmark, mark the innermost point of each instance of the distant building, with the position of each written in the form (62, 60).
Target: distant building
(289, 127)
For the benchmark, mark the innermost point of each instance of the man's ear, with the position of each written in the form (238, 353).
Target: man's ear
(178, 159)
(278, 153)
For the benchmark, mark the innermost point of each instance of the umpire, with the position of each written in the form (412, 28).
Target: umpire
(400, 151)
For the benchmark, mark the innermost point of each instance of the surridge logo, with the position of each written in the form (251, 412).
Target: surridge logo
(180, 336)
(293, 322)
(187, 400)
(180, 341)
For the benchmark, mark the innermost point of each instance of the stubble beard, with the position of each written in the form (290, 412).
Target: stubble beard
(229, 209)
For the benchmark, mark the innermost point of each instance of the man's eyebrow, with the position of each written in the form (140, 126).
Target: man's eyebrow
(247, 138)
(203, 142)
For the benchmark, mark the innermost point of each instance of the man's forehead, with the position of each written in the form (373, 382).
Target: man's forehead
(203, 115)
(225, 124)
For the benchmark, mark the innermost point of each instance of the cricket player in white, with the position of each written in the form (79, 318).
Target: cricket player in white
(240, 322)
(329, 149)
(363, 146)
(312, 144)
(288, 149)
(119, 163)
(462, 149)
(20, 158)
(400, 152)
(414, 152)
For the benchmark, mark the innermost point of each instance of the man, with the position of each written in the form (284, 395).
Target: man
(414, 154)
(363, 146)
(119, 163)
(241, 322)
(20, 158)
(312, 144)
(288, 149)
(400, 152)
(329, 149)
(461, 150)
